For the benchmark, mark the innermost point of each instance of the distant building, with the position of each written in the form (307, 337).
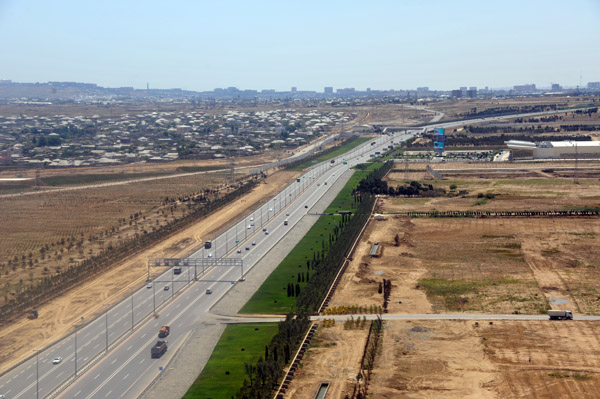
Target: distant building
(456, 93)
(472, 93)
(463, 91)
(294, 89)
(593, 85)
(328, 90)
(348, 90)
(556, 87)
(524, 88)
(554, 149)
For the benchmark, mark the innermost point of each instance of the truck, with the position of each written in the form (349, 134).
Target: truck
(164, 331)
(177, 270)
(158, 349)
(560, 315)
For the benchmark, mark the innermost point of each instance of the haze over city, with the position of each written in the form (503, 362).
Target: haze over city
(309, 45)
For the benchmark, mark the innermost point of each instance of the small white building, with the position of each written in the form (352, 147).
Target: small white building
(555, 149)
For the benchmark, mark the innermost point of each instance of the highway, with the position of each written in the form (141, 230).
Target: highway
(112, 353)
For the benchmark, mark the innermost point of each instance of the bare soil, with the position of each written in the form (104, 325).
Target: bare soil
(480, 265)
(88, 300)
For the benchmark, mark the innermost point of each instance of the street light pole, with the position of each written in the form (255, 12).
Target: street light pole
(76, 352)
(132, 292)
(106, 321)
(154, 297)
(37, 374)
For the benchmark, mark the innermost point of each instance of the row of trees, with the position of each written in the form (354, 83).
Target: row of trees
(264, 375)
(51, 286)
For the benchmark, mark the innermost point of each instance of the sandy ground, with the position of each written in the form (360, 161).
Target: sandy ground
(505, 265)
(334, 357)
(57, 318)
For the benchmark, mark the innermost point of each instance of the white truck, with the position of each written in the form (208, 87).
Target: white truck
(560, 315)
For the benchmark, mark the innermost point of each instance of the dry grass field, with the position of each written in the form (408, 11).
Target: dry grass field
(480, 265)
(47, 232)
(88, 299)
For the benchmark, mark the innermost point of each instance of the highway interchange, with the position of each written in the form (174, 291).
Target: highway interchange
(112, 353)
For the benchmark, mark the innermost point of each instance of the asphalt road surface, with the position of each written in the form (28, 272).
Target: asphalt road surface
(112, 353)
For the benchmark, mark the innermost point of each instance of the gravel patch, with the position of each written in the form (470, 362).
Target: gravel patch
(189, 360)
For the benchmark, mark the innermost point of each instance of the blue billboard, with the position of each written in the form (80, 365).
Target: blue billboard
(438, 145)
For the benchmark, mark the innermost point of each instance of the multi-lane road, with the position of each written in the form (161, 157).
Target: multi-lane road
(111, 355)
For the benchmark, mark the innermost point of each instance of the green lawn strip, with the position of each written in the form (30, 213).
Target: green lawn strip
(341, 150)
(228, 356)
(272, 296)
(344, 200)
(95, 178)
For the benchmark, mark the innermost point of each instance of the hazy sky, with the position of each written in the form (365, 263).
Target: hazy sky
(200, 45)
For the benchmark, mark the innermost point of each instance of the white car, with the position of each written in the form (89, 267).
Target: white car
(210, 255)
(57, 360)
(270, 209)
(252, 219)
(149, 285)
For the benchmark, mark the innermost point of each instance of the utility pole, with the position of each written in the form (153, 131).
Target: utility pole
(576, 164)
(106, 321)
(37, 374)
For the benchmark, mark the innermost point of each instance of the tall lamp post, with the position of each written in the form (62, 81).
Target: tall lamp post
(106, 322)
(37, 374)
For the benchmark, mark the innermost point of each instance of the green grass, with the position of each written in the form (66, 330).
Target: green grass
(453, 292)
(344, 200)
(272, 297)
(228, 356)
(96, 178)
(341, 150)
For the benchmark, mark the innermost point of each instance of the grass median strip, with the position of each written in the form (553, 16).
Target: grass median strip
(224, 374)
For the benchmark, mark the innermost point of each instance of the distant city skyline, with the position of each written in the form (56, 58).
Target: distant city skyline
(311, 45)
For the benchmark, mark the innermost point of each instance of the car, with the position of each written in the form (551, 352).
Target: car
(57, 360)
(287, 214)
(166, 288)
(252, 219)
(253, 242)
(266, 232)
(209, 291)
(264, 229)
(247, 248)
(306, 206)
(252, 224)
(239, 251)
(249, 227)
(149, 285)
(270, 209)
(210, 255)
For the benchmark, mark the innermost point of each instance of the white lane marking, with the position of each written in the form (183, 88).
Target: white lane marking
(126, 377)
(129, 347)
(61, 373)
(78, 392)
(109, 392)
(113, 362)
(144, 335)
(97, 375)
(142, 361)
